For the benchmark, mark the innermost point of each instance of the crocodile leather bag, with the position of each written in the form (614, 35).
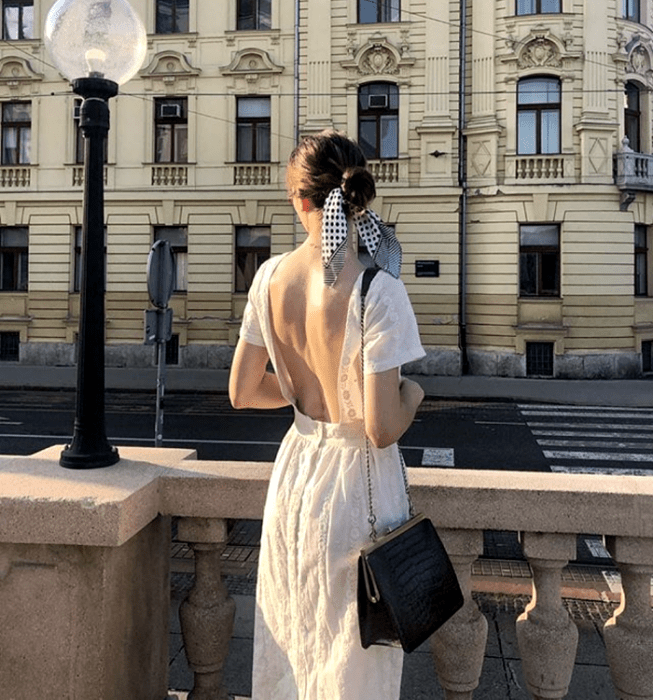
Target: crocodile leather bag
(407, 587)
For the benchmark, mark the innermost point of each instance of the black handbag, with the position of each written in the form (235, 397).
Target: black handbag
(407, 586)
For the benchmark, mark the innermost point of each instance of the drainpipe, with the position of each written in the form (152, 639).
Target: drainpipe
(462, 183)
(296, 104)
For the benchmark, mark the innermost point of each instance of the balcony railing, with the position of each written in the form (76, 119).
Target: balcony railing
(385, 171)
(549, 510)
(15, 176)
(538, 168)
(78, 175)
(633, 171)
(169, 175)
(253, 175)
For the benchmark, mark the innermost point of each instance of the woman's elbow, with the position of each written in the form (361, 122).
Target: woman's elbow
(380, 438)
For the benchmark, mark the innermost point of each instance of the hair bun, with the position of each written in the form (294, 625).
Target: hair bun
(358, 187)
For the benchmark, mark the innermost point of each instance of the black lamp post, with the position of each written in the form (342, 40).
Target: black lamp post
(97, 44)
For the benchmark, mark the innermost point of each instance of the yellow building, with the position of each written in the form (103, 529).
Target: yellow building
(529, 257)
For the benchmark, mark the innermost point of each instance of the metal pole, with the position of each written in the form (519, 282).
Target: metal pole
(89, 448)
(160, 385)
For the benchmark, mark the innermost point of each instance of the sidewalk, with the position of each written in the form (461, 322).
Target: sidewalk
(600, 392)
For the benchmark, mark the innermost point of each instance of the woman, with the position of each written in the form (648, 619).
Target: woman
(303, 314)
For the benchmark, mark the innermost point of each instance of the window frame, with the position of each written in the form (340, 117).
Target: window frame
(540, 108)
(632, 10)
(20, 4)
(22, 127)
(538, 9)
(375, 115)
(384, 9)
(179, 252)
(258, 23)
(633, 115)
(539, 251)
(253, 124)
(642, 257)
(178, 129)
(249, 251)
(19, 261)
(159, 29)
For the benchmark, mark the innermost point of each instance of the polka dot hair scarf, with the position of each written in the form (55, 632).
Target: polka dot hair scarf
(379, 239)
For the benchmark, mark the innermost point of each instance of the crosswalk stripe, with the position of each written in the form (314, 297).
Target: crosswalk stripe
(580, 414)
(576, 433)
(440, 457)
(554, 408)
(617, 471)
(596, 443)
(590, 426)
(599, 456)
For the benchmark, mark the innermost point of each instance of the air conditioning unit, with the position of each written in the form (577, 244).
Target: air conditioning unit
(378, 101)
(170, 111)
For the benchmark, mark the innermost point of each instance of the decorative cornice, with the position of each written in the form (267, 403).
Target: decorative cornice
(253, 62)
(378, 58)
(16, 73)
(541, 49)
(172, 69)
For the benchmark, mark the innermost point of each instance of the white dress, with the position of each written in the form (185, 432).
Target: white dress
(306, 637)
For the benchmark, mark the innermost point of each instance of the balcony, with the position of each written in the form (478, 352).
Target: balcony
(169, 175)
(75, 535)
(15, 177)
(388, 172)
(539, 169)
(252, 174)
(633, 171)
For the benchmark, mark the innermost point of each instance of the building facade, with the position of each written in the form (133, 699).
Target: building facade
(508, 140)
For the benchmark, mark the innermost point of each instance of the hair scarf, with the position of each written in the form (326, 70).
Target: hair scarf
(379, 239)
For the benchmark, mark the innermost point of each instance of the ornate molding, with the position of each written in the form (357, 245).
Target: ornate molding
(541, 49)
(171, 71)
(252, 65)
(639, 62)
(17, 74)
(378, 58)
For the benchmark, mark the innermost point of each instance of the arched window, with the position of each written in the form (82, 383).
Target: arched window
(633, 116)
(378, 120)
(538, 115)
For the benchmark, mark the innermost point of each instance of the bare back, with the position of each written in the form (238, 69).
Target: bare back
(308, 323)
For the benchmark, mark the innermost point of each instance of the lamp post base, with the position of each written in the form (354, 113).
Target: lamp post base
(72, 458)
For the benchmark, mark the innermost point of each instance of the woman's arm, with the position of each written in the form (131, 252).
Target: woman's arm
(250, 386)
(390, 406)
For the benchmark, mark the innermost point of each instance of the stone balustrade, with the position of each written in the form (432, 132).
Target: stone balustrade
(539, 169)
(252, 174)
(633, 170)
(15, 176)
(76, 534)
(169, 175)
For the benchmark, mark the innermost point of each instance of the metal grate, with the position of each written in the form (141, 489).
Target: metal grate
(9, 346)
(646, 356)
(539, 359)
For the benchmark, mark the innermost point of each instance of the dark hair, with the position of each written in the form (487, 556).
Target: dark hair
(328, 160)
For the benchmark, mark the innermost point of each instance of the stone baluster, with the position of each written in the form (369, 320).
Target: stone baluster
(458, 647)
(207, 614)
(629, 633)
(547, 636)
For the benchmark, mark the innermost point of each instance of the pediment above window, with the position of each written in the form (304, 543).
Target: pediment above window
(639, 61)
(540, 49)
(254, 61)
(17, 74)
(378, 57)
(171, 70)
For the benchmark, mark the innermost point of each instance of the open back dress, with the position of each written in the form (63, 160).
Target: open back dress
(306, 637)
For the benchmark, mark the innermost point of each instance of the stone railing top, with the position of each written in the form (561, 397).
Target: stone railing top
(42, 503)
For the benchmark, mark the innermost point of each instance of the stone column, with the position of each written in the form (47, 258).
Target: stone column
(207, 615)
(629, 633)
(458, 647)
(546, 635)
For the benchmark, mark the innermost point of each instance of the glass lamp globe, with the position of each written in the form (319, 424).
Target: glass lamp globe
(95, 39)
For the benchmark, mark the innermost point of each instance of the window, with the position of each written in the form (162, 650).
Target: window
(538, 7)
(647, 365)
(252, 250)
(171, 16)
(539, 359)
(254, 14)
(253, 130)
(172, 350)
(378, 120)
(77, 259)
(79, 136)
(171, 130)
(538, 116)
(177, 236)
(16, 133)
(641, 261)
(17, 19)
(631, 10)
(632, 116)
(13, 259)
(372, 11)
(539, 261)
(9, 346)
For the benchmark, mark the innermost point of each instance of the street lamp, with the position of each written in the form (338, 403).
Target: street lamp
(98, 45)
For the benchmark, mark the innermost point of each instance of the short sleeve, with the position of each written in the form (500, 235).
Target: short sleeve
(391, 332)
(250, 328)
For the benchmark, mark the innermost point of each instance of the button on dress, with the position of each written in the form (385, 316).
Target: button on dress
(306, 637)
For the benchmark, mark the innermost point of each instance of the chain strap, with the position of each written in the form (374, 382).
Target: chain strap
(371, 518)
